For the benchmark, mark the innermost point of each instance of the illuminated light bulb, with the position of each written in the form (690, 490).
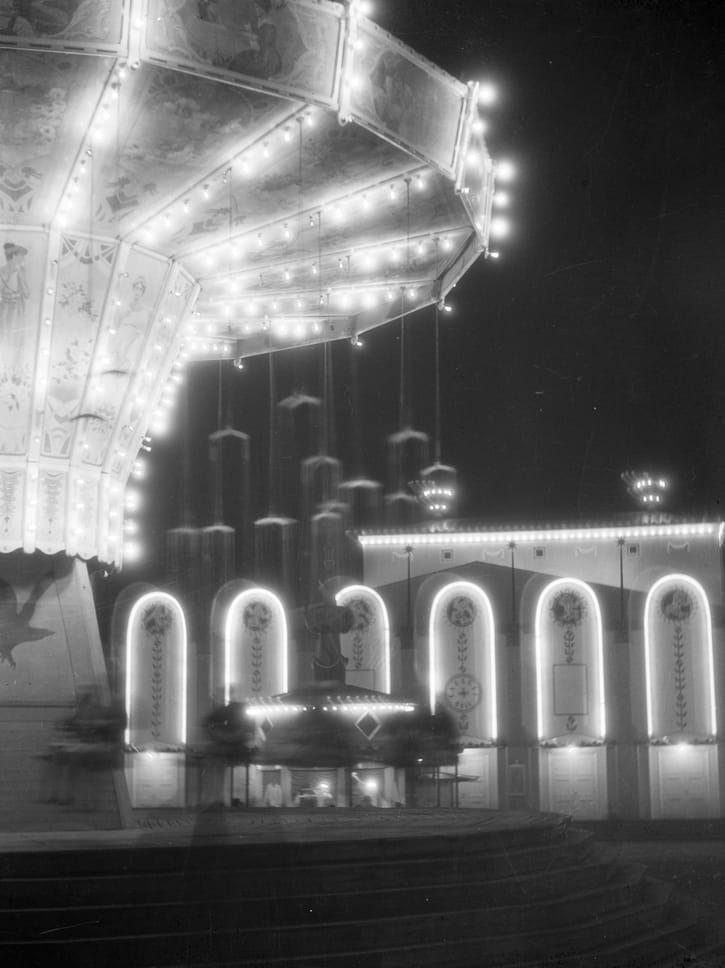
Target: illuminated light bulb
(411, 293)
(487, 94)
(185, 204)
(473, 158)
(286, 231)
(366, 203)
(389, 295)
(494, 255)
(275, 306)
(131, 551)
(132, 501)
(299, 303)
(340, 264)
(205, 192)
(287, 275)
(395, 255)
(265, 149)
(504, 171)
(391, 193)
(364, 7)
(316, 328)
(499, 227)
(311, 221)
(501, 199)
(479, 126)
(309, 120)
(314, 269)
(419, 248)
(287, 134)
(299, 331)
(259, 240)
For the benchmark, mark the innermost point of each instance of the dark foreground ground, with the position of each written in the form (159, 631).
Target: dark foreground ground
(690, 854)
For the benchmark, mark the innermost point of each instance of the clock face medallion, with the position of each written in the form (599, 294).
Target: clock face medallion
(463, 692)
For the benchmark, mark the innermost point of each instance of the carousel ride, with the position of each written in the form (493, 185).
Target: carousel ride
(189, 180)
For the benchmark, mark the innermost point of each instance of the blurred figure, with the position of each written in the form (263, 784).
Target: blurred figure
(231, 736)
(91, 740)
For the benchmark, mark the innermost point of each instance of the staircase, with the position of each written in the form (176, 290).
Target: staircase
(542, 895)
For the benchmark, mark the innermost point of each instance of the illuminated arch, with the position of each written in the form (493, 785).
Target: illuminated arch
(594, 648)
(440, 670)
(274, 673)
(699, 690)
(378, 652)
(170, 732)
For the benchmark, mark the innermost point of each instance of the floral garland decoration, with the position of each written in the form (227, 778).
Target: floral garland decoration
(676, 607)
(363, 618)
(156, 621)
(568, 610)
(257, 617)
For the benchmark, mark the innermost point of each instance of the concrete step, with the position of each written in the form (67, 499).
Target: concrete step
(501, 905)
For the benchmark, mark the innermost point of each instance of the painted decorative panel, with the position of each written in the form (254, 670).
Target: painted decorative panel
(291, 47)
(45, 101)
(679, 660)
(171, 127)
(83, 276)
(569, 663)
(255, 646)
(405, 97)
(74, 21)
(89, 332)
(367, 645)
(22, 277)
(156, 673)
(462, 659)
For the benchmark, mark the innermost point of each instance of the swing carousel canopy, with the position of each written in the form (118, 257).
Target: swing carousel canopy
(186, 179)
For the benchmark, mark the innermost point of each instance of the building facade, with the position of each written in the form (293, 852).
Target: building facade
(583, 663)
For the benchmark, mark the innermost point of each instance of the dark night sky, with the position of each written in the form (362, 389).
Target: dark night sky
(594, 344)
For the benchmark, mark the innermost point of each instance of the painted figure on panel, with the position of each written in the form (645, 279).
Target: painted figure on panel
(14, 293)
(131, 326)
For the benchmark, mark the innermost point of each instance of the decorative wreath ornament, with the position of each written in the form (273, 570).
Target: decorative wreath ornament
(461, 611)
(157, 620)
(676, 605)
(568, 609)
(362, 613)
(257, 617)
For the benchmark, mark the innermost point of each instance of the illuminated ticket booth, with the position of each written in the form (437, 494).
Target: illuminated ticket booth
(680, 702)
(570, 701)
(156, 691)
(462, 679)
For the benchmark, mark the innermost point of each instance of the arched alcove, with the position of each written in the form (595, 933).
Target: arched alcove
(255, 646)
(156, 672)
(367, 645)
(571, 719)
(680, 700)
(679, 666)
(462, 658)
(570, 689)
